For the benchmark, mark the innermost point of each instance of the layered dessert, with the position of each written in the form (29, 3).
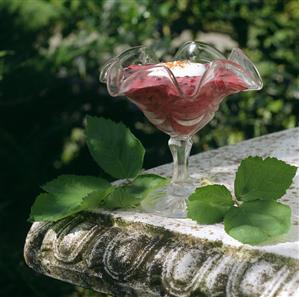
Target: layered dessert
(181, 97)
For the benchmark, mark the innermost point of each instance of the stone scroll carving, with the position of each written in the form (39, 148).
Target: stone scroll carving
(123, 258)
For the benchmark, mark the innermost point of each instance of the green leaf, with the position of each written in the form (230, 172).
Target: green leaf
(67, 195)
(75, 187)
(119, 198)
(144, 184)
(115, 149)
(47, 207)
(130, 195)
(50, 208)
(208, 205)
(257, 221)
(95, 199)
(266, 179)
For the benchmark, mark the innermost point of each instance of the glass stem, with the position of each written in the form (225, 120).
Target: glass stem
(180, 149)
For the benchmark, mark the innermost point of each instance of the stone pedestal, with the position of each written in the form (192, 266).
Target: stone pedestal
(137, 254)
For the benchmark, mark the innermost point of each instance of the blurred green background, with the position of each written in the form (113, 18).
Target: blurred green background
(50, 55)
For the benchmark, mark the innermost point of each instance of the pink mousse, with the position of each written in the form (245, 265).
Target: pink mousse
(183, 105)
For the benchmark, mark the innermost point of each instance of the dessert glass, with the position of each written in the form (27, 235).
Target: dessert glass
(179, 97)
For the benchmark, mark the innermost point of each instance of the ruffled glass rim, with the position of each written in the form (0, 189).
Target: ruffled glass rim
(193, 51)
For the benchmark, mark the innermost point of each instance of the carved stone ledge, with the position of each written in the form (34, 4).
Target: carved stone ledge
(136, 254)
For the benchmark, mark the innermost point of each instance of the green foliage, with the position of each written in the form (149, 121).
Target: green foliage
(120, 198)
(258, 218)
(130, 195)
(143, 184)
(114, 147)
(209, 204)
(33, 14)
(266, 179)
(67, 195)
(74, 185)
(257, 221)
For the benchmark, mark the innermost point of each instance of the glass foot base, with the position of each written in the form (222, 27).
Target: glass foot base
(170, 201)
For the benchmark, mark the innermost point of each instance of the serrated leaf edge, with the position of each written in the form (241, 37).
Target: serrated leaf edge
(123, 171)
(264, 159)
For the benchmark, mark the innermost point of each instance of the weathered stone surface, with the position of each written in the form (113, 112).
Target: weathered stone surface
(136, 254)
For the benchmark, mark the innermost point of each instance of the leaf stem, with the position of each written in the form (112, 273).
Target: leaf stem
(127, 182)
(236, 202)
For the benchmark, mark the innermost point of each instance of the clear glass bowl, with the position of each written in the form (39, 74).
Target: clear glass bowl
(179, 97)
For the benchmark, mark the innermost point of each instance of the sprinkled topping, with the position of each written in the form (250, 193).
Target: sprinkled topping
(173, 64)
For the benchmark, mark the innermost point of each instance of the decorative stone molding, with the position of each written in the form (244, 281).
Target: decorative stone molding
(137, 254)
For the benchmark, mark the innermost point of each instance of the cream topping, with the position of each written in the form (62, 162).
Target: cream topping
(180, 69)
